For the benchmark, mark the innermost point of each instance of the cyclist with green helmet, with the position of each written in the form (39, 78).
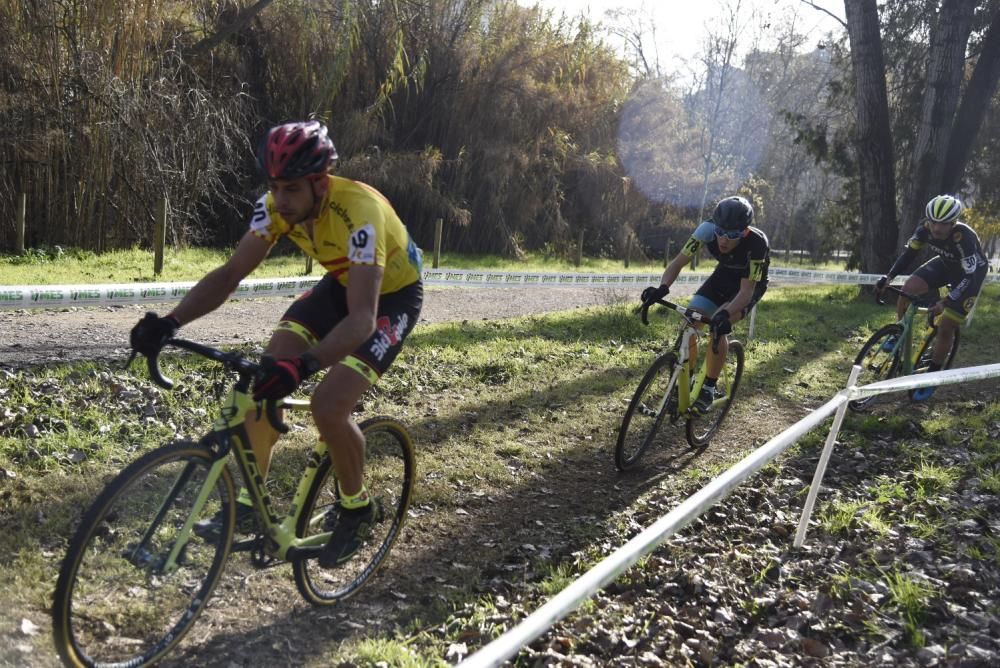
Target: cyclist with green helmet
(960, 264)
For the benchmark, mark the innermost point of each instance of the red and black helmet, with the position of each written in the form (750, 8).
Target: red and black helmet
(294, 150)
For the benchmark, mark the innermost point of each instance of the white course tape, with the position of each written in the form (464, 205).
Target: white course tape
(48, 296)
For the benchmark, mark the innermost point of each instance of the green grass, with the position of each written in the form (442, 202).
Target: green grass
(911, 598)
(59, 266)
(75, 267)
(499, 410)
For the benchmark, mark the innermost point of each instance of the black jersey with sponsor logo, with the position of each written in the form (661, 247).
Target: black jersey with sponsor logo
(749, 259)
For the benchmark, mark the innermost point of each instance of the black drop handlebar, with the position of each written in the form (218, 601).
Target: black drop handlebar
(690, 314)
(246, 369)
(921, 301)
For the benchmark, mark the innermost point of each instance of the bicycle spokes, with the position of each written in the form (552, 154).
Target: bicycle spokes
(135, 577)
(702, 427)
(879, 359)
(654, 399)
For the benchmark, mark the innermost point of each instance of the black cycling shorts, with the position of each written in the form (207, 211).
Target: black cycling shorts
(720, 288)
(319, 310)
(937, 273)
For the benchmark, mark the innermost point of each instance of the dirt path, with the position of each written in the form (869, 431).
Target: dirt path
(31, 337)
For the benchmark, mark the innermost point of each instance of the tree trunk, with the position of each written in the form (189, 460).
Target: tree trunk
(874, 139)
(239, 22)
(975, 104)
(945, 67)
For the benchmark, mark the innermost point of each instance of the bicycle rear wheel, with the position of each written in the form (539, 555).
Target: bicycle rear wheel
(701, 428)
(927, 350)
(116, 601)
(390, 469)
(878, 361)
(654, 399)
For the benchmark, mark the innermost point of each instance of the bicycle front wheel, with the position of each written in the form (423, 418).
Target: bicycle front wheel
(135, 578)
(701, 428)
(878, 360)
(390, 469)
(654, 399)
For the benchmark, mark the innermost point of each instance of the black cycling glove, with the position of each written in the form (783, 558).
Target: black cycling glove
(720, 323)
(652, 294)
(881, 283)
(150, 333)
(279, 378)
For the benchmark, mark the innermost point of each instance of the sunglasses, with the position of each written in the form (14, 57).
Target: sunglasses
(729, 234)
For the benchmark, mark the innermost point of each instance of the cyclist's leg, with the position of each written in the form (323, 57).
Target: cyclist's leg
(957, 306)
(721, 289)
(338, 394)
(304, 323)
(706, 301)
(931, 275)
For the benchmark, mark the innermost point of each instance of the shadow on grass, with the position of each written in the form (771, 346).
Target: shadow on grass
(503, 542)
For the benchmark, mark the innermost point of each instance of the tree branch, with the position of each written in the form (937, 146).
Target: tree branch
(833, 16)
(238, 24)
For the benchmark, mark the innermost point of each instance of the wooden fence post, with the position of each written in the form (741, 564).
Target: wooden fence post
(160, 237)
(579, 249)
(628, 250)
(309, 264)
(666, 252)
(22, 212)
(438, 233)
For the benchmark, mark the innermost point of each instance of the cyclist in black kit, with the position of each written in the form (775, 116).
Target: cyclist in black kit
(960, 264)
(738, 282)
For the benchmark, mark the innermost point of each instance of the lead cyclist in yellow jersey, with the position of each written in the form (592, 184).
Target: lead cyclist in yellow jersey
(353, 322)
(356, 224)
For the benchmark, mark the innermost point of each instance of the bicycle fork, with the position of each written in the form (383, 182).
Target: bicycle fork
(141, 555)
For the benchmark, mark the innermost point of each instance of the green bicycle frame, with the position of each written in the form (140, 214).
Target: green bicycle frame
(229, 433)
(685, 389)
(904, 346)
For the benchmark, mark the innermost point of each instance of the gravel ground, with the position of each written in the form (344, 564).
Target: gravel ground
(31, 336)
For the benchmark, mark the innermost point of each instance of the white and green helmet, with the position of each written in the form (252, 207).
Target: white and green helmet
(944, 209)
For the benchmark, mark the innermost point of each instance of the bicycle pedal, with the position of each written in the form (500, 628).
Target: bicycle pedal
(262, 560)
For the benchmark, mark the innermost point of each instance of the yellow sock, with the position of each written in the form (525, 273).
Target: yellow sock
(354, 501)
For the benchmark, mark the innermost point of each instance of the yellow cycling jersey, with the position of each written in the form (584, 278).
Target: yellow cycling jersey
(356, 225)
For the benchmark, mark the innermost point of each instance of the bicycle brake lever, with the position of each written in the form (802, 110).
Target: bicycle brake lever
(644, 311)
(272, 416)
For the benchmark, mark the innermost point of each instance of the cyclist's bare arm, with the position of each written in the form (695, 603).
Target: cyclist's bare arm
(363, 285)
(742, 298)
(674, 269)
(215, 287)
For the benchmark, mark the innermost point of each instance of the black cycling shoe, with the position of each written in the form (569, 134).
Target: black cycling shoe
(706, 397)
(211, 529)
(350, 530)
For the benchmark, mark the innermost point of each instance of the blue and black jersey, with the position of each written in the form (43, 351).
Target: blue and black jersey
(749, 259)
